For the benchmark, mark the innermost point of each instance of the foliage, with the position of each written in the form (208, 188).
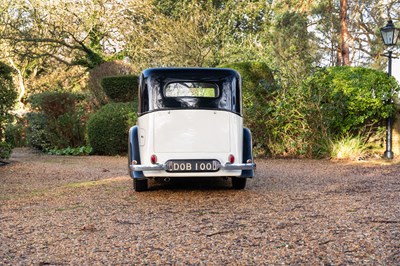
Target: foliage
(55, 103)
(15, 132)
(332, 105)
(108, 128)
(348, 147)
(276, 115)
(120, 88)
(113, 68)
(292, 49)
(351, 98)
(83, 150)
(5, 150)
(56, 44)
(7, 96)
(258, 89)
(37, 134)
(364, 20)
(58, 122)
(343, 102)
(62, 31)
(50, 76)
(305, 121)
(7, 99)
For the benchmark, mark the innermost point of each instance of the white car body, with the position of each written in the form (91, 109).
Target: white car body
(190, 124)
(191, 134)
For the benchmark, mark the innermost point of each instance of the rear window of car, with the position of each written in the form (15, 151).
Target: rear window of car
(191, 90)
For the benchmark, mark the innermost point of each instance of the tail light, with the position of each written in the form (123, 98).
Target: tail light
(153, 159)
(231, 158)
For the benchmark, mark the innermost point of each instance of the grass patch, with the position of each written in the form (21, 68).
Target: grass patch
(83, 184)
(348, 147)
(88, 184)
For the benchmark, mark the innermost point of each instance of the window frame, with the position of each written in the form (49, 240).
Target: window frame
(214, 86)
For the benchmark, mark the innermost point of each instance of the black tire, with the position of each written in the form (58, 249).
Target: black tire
(238, 183)
(140, 185)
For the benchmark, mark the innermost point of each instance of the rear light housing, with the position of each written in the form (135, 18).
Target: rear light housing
(153, 159)
(231, 158)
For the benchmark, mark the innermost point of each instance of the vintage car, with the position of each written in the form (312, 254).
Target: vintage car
(190, 124)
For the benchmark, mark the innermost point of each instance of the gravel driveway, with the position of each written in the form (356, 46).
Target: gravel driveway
(82, 211)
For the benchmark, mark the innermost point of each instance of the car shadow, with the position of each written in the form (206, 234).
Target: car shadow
(191, 183)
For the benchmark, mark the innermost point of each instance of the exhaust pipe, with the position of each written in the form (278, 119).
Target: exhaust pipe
(167, 180)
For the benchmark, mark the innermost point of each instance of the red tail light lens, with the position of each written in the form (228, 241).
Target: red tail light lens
(153, 159)
(231, 158)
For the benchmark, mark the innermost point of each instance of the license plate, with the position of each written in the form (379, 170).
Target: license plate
(181, 166)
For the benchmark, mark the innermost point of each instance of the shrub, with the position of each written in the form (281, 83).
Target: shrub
(108, 128)
(348, 147)
(38, 135)
(120, 88)
(106, 69)
(351, 98)
(83, 150)
(55, 103)
(5, 150)
(15, 132)
(59, 120)
(304, 121)
(8, 97)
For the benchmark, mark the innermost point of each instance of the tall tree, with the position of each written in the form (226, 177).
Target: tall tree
(344, 55)
(363, 20)
(292, 44)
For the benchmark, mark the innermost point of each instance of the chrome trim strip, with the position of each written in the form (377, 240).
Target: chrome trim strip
(239, 166)
(155, 167)
(160, 167)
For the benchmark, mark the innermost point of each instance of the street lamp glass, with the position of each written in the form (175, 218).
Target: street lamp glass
(390, 34)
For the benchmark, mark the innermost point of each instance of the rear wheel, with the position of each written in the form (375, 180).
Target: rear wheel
(140, 185)
(238, 183)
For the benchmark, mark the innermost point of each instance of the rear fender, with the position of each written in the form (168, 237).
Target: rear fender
(247, 152)
(133, 151)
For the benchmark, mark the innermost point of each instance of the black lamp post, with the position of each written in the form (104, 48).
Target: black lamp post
(389, 36)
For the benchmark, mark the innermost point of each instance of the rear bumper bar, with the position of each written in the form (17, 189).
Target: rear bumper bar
(163, 167)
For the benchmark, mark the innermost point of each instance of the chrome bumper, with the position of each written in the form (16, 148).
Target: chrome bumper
(161, 167)
(239, 166)
(153, 167)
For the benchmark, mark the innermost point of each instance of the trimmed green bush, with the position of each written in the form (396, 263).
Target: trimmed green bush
(120, 88)
(58, 121)
(108, 128)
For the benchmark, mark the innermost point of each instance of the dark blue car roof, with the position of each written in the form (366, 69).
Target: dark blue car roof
(153, 81)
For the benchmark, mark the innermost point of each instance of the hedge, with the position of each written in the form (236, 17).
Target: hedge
(108, 128)
(120, 88)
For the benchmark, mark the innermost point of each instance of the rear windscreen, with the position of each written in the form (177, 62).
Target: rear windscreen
(191, 89)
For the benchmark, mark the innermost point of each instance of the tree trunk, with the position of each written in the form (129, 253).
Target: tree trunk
(21, 83)
(344, 35)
